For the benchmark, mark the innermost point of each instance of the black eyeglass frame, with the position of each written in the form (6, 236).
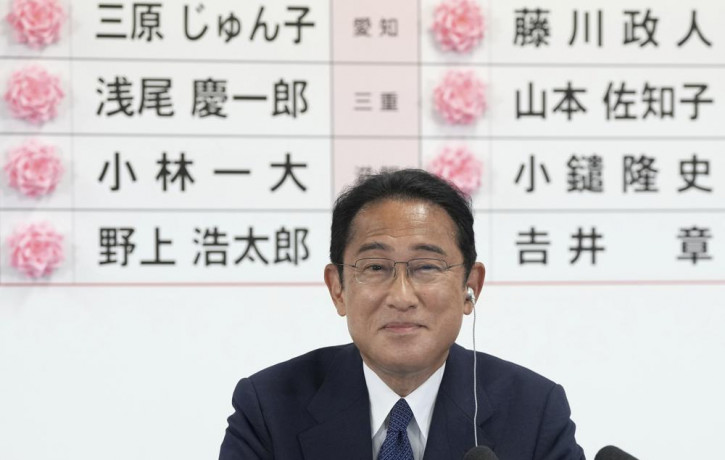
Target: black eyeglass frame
(447, 268)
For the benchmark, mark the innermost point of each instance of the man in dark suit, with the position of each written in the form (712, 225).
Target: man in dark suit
(404, 273)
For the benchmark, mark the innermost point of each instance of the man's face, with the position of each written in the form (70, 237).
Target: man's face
(402, 328)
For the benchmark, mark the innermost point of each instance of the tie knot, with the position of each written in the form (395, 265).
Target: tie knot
(400, 416)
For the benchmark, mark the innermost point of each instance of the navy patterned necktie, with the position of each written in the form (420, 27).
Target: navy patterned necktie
(397, 445)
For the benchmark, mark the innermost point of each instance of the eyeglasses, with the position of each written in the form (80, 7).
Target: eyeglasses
(378, 270)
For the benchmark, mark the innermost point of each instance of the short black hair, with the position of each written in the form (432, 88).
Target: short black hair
(404, 184)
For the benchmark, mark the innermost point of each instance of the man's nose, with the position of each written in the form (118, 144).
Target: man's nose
(402, 293)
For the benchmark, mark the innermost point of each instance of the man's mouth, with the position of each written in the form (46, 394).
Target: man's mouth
(402, 327)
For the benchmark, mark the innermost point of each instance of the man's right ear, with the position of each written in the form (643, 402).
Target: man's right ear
(334, 286)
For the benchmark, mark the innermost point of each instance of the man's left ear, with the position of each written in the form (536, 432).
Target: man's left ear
(334, 286)
(475, 283)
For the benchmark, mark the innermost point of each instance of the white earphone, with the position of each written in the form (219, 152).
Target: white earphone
(470, 295)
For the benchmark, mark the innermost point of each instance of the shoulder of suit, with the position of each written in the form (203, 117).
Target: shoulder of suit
(309, 365)
(494, 371)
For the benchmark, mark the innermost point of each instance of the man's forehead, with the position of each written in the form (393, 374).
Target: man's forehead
(417, 224)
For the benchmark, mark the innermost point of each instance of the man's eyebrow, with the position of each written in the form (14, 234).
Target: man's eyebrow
(376, 245)
(372, 246)
(430, 248)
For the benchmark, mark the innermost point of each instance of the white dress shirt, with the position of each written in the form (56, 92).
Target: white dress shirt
(421, 402)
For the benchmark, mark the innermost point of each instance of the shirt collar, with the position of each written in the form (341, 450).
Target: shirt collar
(421, 400)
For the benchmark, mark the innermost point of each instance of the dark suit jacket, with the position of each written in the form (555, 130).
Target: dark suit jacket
(316, 407)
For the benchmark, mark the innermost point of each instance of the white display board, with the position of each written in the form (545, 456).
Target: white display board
(202, 146)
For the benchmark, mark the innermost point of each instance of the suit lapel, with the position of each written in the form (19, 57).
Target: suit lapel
(342, 409)
(451, 430)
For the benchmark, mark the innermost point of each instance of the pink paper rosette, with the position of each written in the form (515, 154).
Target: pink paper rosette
(36, 250)
(33, 168)
(460, 98)
(458, 25)
(459, 166)
(33, 94)
(36, 22)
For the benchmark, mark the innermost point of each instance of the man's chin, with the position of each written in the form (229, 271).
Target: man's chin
(409, 361)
